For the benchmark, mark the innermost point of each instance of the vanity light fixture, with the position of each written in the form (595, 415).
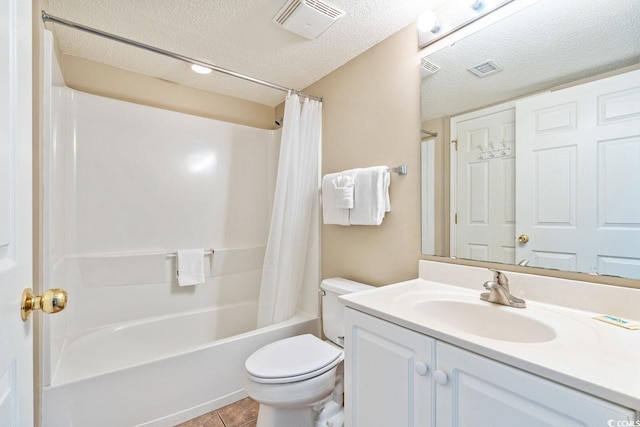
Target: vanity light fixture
(200, 69)
(428, 21)
(453, 15)
(476, 4)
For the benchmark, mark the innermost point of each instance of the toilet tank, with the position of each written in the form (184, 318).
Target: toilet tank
(332, 310)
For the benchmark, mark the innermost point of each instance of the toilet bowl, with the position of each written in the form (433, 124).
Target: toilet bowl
(296, 380)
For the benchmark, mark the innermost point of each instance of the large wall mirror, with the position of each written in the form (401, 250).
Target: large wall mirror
(537, 155)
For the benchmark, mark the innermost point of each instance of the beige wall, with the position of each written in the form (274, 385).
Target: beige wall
(112, 82)
(371, 116)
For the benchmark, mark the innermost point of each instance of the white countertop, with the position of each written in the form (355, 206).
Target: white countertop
(589, 355)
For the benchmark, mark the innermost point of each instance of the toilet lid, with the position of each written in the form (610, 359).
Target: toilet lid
(292, 359)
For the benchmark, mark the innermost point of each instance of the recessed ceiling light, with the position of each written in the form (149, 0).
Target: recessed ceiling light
(200, 69)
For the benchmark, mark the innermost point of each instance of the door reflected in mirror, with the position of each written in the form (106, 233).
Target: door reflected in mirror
(542, 159)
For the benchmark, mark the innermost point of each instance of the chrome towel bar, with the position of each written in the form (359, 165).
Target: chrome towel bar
(175, 254)
(400, 170)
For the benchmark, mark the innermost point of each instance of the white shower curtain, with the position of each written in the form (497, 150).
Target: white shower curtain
(292, 248)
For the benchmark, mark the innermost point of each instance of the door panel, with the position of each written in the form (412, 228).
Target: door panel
(16, 347)
(485, 169)
(569, 143)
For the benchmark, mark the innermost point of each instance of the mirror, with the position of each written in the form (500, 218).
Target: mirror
(546, 52)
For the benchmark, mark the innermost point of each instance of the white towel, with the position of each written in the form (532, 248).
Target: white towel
(385, 189)
(343, 186)
(332, 198)
(190, 267)
(371, 196)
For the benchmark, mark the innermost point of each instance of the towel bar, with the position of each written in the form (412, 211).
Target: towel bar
(400, 170)
(175, 254)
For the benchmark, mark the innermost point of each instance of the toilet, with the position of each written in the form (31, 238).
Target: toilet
(298, 380)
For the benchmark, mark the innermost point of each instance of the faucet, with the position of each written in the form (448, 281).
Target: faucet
(499, 291)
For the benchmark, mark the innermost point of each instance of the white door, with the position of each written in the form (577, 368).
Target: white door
(484, 175)
(16, 346)
(578, 188)
(388, 374)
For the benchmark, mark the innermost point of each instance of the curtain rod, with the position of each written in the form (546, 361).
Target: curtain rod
(50, 18)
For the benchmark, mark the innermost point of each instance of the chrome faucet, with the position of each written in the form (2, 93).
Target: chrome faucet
(499, 291)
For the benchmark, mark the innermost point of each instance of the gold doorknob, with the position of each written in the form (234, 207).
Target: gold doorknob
(51, 301)
(523, 238)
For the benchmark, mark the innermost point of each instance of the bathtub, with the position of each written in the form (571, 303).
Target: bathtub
(159, 371)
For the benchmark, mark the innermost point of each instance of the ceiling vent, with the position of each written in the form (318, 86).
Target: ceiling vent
(485, 68)
(427, 68)
(307, 18)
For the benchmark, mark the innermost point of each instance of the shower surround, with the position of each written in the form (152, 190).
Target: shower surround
(126, 185)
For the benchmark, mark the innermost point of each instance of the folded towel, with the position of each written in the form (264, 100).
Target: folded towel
(385, 189)
(333, 198)
(190, 267)
(371, 196)
(343, 186)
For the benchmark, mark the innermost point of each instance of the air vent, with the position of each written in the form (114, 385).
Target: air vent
(485, 68)
(307, 18)
(427, 68)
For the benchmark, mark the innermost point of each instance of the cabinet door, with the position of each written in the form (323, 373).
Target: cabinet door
(479, 392)
(388, 374)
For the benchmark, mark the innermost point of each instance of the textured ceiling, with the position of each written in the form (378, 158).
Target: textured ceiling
(550, 43)
(233, 34)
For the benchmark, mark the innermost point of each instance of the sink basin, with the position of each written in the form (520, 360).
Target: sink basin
(485, 319)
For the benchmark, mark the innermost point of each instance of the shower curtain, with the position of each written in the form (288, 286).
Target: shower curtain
(293, 244)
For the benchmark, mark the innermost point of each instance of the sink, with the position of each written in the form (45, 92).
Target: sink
(484, 319)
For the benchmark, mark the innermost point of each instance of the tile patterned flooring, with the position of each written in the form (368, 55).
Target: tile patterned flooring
(243, 413)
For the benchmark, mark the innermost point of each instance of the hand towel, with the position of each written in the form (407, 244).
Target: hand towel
(343, 186)
(385, 189)
(190, 267)
(331, 213)
(370, 196)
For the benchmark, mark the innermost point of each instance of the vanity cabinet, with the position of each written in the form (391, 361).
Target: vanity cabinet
(398, 377)
(477, 391)
(388, 378)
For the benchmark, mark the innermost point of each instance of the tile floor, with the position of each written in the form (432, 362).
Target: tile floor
(243, 413)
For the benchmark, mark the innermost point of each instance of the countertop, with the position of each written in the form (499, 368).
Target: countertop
(588, 355)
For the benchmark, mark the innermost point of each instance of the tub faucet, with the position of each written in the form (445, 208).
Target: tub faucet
(499, 291)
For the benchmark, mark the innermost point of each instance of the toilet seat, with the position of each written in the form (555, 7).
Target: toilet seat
(292, 359)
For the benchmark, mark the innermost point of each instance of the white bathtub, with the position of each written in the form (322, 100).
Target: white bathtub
(159, 371)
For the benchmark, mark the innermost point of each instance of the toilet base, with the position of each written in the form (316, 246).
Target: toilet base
(268, 416)
(332, 415)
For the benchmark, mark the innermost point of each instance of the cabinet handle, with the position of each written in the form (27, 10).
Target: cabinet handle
(441, 377)
(421, 369)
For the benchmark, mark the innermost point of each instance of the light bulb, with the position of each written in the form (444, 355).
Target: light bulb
(428, 21)
(476, 5)
(200, 69)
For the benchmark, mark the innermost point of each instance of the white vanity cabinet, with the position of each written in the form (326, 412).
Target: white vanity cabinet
(388, 374)
(398, 377)
(476, 391)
